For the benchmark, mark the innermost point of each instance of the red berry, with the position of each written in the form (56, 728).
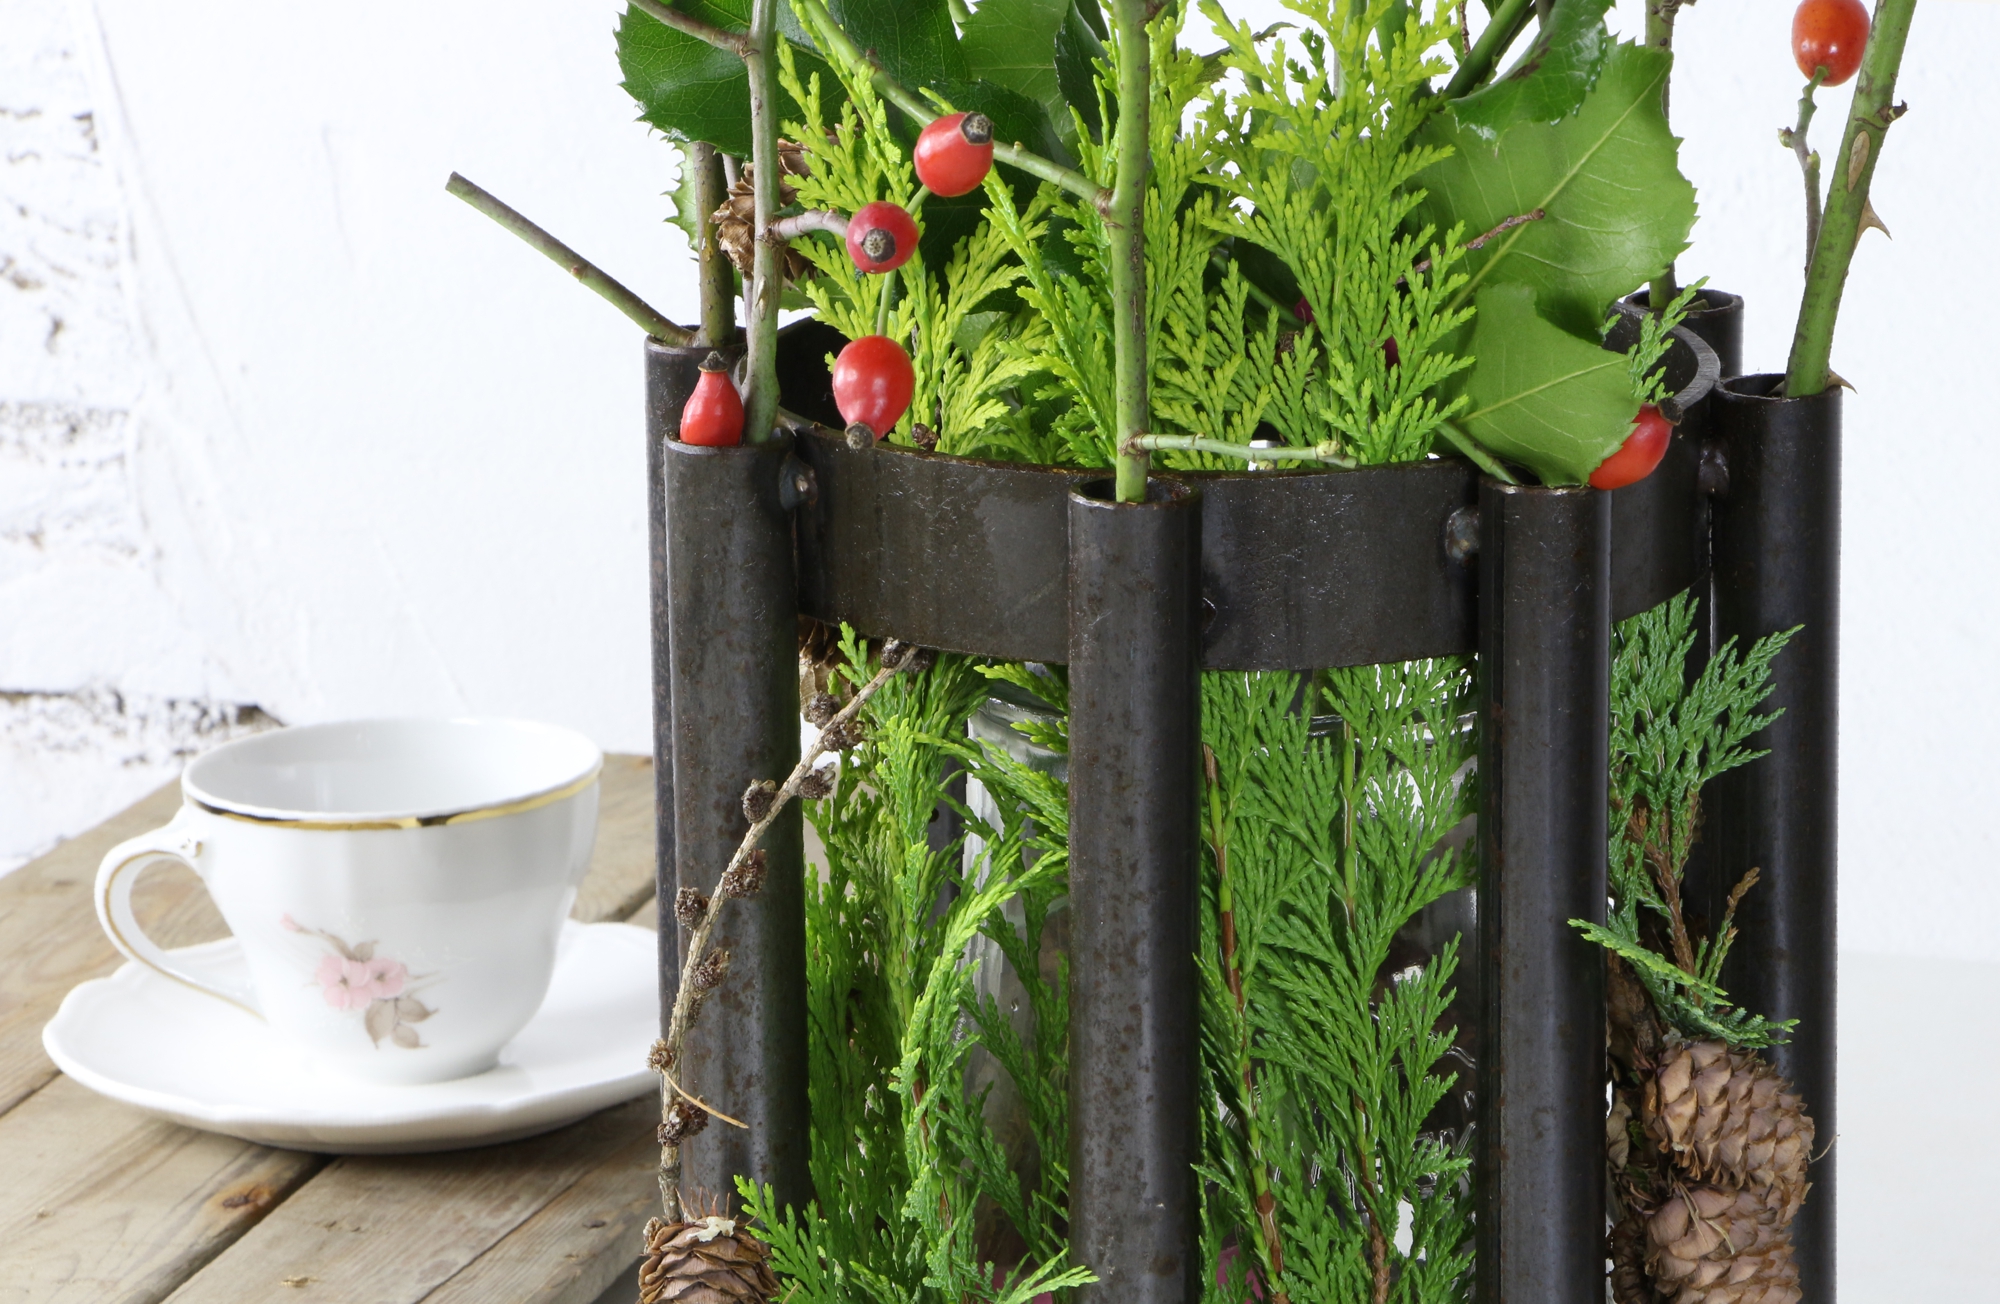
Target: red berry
(954, 153)
(881, 237)
(872, 383)
(713, 414)
(1830, 34)
(1638, 455)
(1303, 310)
(1390, 353)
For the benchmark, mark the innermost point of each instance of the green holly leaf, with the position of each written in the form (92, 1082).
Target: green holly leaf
(1540, 396)
(688, 89)
(1011, 43)
(1078, 52)
(1616, 208)
(1550, 81)
(914, 40)
(687, 213)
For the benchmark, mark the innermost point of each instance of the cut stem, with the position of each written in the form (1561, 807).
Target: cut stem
(1660, 15)
(1476, 452)
(1847, 199)
(767, 263)
(1327, 453)
(718, 277)
(1125, 230)
(648, 318)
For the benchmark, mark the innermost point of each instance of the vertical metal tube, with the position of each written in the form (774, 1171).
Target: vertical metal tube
(1777, 565)
(670, 377)
(1134, 648)
(1544, 651)
(1717, 317)
(733, 672)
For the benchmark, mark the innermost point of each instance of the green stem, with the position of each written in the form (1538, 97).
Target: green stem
(767, 266)
(718, 278)
(720, 38)
(1125, 230)
(1660, 15)
(1328, 452)
(1474, 451)
(1505, 25)
(648, 318)
(1847, 200)
(1808, 160)
(837, 41)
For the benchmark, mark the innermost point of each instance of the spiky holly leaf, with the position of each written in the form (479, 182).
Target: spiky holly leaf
(1078, 52)
(913, 40)
(1550, 81)
(690, 90)
(1616, 207)
(1540, 396)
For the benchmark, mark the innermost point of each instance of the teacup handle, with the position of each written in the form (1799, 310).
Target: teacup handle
(116, 876)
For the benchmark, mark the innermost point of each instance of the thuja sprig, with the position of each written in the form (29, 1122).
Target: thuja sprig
(702, 969)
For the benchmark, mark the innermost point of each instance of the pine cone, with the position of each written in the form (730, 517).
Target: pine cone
(758, 799)
(736, 221)
(1706, 1245)
(821, 707)
(706, 1262)
(816, 784)
(689, 907)
(1724, 1116)
(747, 879)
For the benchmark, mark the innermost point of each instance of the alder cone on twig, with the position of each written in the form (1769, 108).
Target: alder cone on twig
(1708, 1245)
(711, 1261)
(1725, 1116)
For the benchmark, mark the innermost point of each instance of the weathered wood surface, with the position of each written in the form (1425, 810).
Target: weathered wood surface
(100, 1202)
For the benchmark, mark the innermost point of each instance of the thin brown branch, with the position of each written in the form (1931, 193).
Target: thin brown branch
(720, 38)
(687, 998)
(1479, 241)
(647, 317)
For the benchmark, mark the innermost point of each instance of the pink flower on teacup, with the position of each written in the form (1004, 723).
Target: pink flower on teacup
(352, 984)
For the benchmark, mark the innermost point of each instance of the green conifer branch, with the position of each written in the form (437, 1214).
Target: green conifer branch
(1847, 206)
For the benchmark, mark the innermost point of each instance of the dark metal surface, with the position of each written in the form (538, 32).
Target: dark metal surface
(1545, 617)
(1134, 1036)
(670, 377)
(1299, 568)
(733, 665)
(1777, 565)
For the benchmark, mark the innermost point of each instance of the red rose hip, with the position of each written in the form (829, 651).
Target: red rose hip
(1638, 455)
(872, 383)
(713, 414)
(954, 153)
(881, 237)
(1830, 34)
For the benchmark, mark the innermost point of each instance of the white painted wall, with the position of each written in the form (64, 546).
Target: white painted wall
(313, 436)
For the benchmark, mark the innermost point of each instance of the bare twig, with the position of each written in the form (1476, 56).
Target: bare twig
(1794, 139)
(718, 276)
(1479, 241)
(720, 38)
(813, 219)
(687, 998)
(648, 318)
(1328, 452)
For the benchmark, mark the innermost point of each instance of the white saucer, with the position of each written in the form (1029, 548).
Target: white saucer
(172, 1051)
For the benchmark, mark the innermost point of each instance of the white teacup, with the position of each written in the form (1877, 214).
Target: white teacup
(397, 886)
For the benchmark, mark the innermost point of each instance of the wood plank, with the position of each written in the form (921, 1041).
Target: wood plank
(581, 1244)
(101, 1202)
(392, 1229)
(51, 941)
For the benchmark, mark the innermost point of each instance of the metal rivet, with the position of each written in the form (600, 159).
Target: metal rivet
(1461, 534)
(1712, 475)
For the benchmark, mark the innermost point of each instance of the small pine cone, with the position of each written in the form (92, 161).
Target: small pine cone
(924, 437)
(838, 738)
(660, 1058)
(1725, 1116)
(689, 907)
(1627, 1252)
(758, 798)
(816, 784)
(708, 974)
(899, 655)
(736, 221)
(1707, 1245)
(683, 1120)
(747, 879)
(820, 708)
(711, 1261)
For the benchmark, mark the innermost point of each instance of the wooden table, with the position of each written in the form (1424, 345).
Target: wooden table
(101, 1202)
